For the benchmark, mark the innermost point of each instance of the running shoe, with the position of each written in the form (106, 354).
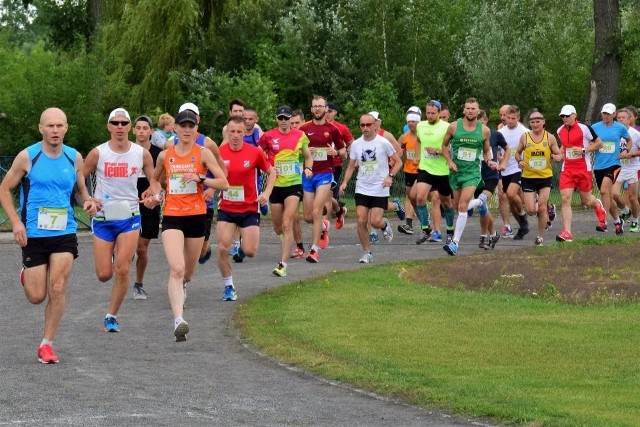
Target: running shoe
(551, 212)
(424, 236)
(264, 209)
(548, 226)
(522, 231)
(493, 240)
(399, 209)
(234, 248)
(340, 217)
(139, 293)
(451, 248)
(600, 212)
(449, 237)
(297, 253)
(239, 256)
(625, 213)
(205, 257)
(601, 227)
(634, 227)
(565, 236)
(470, 212)
(367, 258)
(436, 237)
(229, 294)
(47, 355)
(324, 236)
(506, 232)
(619, 229)
(22, 277)
(313, 256)
(111, 324)
(280, 270)
(538, 241)
(387, 233)
(181, 330)
(483, 242)
(373, 238)
(405, 229)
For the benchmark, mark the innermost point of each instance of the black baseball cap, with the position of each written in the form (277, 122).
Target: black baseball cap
(332, 106)
(187, 116)
(144, 118)
(285, 111)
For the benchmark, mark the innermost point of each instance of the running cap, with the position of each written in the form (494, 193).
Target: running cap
(119, 112)
(375, 115)
(285, 111)
(608, 108)
(187, 116)
(567, 110)
(331, 106)
(144, 118)
(189, 106)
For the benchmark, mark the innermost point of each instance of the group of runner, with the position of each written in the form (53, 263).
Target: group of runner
(171, 178)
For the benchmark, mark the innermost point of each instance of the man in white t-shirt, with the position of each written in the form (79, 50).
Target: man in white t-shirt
(371, 154)
(512, 175)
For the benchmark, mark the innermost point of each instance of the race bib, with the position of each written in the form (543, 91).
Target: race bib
(320, 154)
(235, 193)
(624, 162)
(608, 147)
(176, 186)
(466, 154)
(537, 163)
(52, 218)
(411, 154)
(573, 153)
(369, 166)
(287, 168)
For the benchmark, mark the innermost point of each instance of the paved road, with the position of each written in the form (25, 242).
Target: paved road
(142, 377)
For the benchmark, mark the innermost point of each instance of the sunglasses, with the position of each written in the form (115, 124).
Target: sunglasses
(564, 116)
(283, 118)
(366, 125)
(116, 123)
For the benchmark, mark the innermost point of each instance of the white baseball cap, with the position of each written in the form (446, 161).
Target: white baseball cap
(119, 112)
(608, 108)
(189, 106)
(567, 110)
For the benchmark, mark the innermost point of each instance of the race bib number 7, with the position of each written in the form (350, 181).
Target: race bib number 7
(52, 218)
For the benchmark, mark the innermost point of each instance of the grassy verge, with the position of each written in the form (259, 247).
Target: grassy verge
(526, 360)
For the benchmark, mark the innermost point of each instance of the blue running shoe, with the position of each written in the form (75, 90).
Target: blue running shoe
(111, 324)
(239, 256)
(436, 236)
(234, 248)
(373, 238)
(205, 257)
(399, 209)
(229, 294)
(470, 212)
(451, 248)
(264, 209)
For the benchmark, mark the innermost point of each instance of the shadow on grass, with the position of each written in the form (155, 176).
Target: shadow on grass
(591, 271)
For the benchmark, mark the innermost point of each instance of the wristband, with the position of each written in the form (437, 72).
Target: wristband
(308, 168)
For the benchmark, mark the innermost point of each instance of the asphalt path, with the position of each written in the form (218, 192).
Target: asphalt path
(141, 377)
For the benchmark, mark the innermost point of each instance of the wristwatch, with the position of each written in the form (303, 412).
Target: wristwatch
(202, 178)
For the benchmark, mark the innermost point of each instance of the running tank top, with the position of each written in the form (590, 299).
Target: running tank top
(467, 147)
(46, 192)
(184, 199)
(537, 157)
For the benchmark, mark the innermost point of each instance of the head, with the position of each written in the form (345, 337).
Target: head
(166, 122)
(283, 118)
(187, 126)
(503, 114)
(297, 119)
(236, 108)
(318, 107)
(119, 124)
(332, 112)
(445, 114)
(412, 121)
(471, 108)
(623, 116)
(536, 120)
(633, 114)
(512, 117)
(568, 115)
(235, 131)
(607, 113)
(191, 107)
(250, 117)
(143, 128)
(482, 116)
(53, 126)
(432, 111)
(368, 126)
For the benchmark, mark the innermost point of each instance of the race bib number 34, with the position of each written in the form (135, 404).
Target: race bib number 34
(52, 218)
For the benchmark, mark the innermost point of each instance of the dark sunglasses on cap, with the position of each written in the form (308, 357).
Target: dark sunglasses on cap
(116, 123)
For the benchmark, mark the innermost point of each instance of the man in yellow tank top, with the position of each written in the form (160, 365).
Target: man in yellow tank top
(534, 154)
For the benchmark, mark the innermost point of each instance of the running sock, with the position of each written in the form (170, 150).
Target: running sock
(109, 315)
(315, 247)
(617, 220)
(228, 281)
(461, 222)
(449, 214)
(324, 227)
(137, 285)
(177, 320)
(474, 203)
(410, 222)
(45, 342)
(284, 264)
(423, 215)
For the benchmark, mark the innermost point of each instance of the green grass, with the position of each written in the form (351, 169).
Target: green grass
(483, 354)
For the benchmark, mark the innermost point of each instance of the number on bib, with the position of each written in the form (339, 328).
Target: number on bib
(52, 218)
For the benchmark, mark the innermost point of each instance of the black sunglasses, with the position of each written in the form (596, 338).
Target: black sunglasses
(116, 123)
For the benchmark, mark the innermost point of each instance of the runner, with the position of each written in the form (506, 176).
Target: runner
(48, 171)
(117, 164)
(183, 167)
(283, 147)
(534, 153)
(630, 162)
(238, 206)
(578, 141)
(463, 143)
(298, 252)
(371, 153)
(336, 206)
(409, 144)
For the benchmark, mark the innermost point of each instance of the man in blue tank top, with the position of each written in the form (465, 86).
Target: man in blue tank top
(46, 229)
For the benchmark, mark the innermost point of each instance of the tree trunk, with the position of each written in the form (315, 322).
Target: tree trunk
(607, 64)
(94, 15)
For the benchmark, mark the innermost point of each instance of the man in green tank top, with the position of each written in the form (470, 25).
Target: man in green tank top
(465, 141)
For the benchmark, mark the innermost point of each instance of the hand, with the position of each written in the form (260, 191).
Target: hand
(20, 234)
(308, 173)
(343, 188)
(331, 151)
(388, 181)
(91, 207)
(453, 167)
(190, 177)
(208, 194)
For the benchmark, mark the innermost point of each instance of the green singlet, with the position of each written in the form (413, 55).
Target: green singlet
(466, 151)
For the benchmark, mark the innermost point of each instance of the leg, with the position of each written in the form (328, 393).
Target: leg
(362, 216)
(173, 243)
(142, 258)
(224, 234)
(60, 265)
(566, 213)
(127, 244)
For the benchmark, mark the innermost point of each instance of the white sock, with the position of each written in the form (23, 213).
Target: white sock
(109, 315)
(177, 321)
(461, 223)
(45, 342)
(475, 203)
(228, 281)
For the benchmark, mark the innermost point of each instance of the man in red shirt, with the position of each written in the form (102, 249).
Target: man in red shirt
(337, 207)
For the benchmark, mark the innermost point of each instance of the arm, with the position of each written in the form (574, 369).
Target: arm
(520, 149)
(397, 164)
(90, 163)
(347, 175)
(19, 168)
(213, 147)
(263, 198)
(486, 148)
(219, 180)
(451, 130)
(308, 162)
(90, 205)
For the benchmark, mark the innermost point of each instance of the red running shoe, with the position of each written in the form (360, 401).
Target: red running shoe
(46, 354)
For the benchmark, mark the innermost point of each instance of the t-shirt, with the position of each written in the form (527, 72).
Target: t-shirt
(634, 162)
(512, 137)
(347, 137)
(322, 137)
(242, 170)
(283, 151)
(372, 159)
(431, 136)
(607, 155)
(497, 142)
(574, 139)
(409, 145)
